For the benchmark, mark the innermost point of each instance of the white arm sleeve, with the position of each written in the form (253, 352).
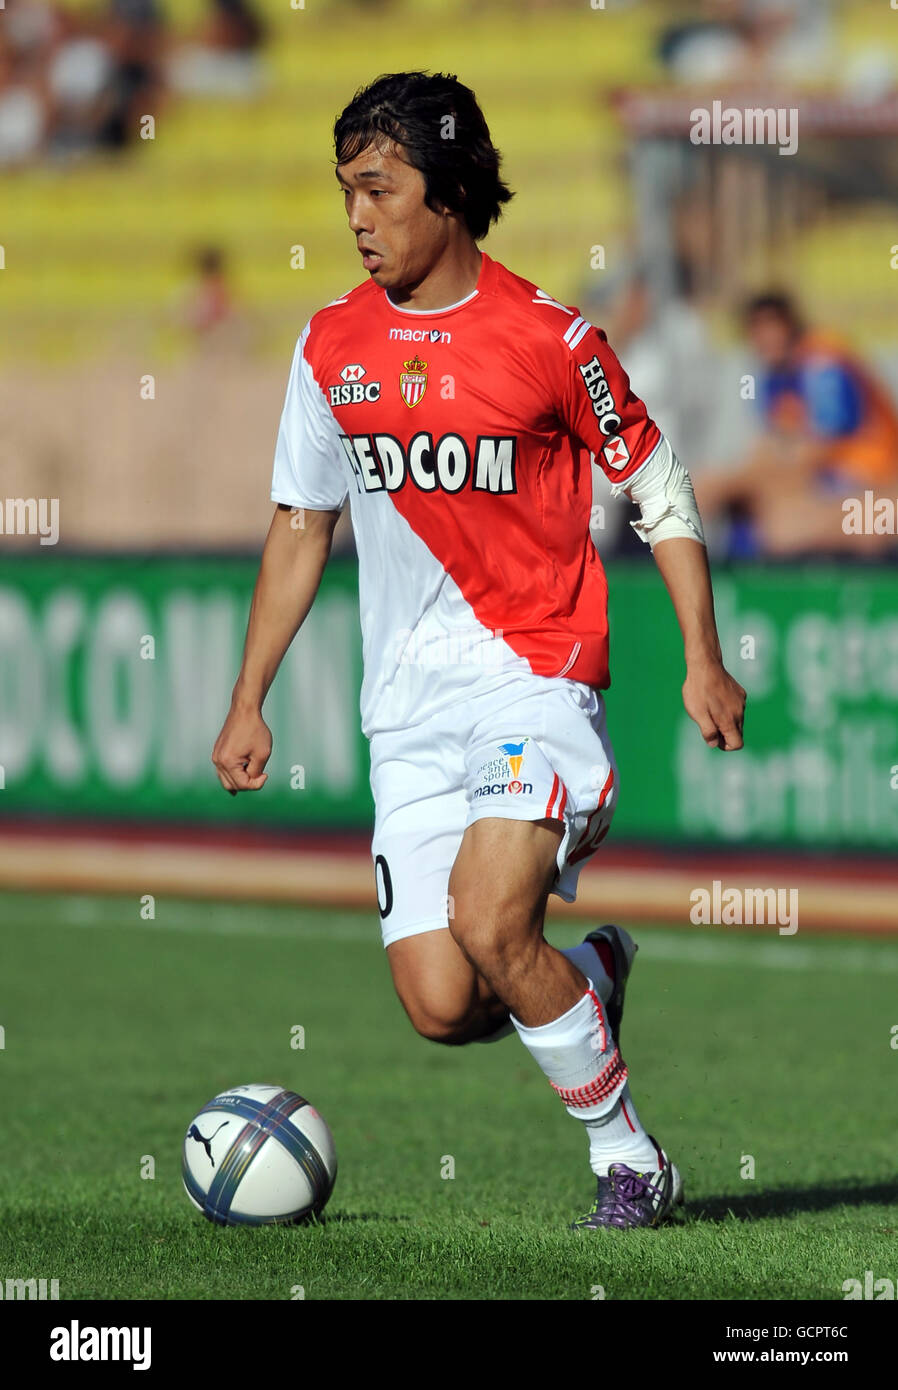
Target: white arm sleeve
(308, 458)
(663, 490)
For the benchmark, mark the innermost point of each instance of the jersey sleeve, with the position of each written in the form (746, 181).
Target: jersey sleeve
(599, 409)
(308, 468)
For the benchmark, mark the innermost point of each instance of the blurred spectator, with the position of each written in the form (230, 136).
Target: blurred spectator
(23, 111)
(664, 348)
(79, 83)
(102, 75)
(72, 82)
(209, 302)
(135, 34)
(225, 58)
(209, 309)
(746, 39)
(27, 34)
(830, 431)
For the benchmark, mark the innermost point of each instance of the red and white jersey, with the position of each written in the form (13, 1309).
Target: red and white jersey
(460, 436)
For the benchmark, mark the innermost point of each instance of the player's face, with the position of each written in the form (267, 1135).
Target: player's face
(399, 237)
(771, 337)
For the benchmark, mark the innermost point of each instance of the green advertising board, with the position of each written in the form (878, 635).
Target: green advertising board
(115, 675)
(816, 648)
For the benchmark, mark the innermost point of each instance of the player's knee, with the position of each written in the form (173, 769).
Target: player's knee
(440, 1025)
(500, 943)
(443, 1031)
(474, 919)
(441, 1015)
(471, 932)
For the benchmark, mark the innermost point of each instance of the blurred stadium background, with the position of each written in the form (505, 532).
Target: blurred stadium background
(155, 277)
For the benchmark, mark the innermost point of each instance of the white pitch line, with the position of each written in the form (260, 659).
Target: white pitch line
(226, 919)
(656, 944)
(780, 953)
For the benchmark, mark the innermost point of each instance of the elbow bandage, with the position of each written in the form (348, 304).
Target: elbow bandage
(663, 490)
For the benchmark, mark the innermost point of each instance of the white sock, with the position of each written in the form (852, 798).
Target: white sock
(619, 1137)
(581, 1060)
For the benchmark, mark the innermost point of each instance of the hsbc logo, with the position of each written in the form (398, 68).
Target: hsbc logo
(599, 393)
(419, 335)
(354, 391)
(617, 455)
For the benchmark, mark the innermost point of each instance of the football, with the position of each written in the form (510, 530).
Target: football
(258, 1155)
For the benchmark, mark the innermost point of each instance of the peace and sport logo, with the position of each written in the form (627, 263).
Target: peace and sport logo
(493, 775)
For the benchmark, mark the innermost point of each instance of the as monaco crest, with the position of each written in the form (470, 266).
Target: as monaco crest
(413, 381)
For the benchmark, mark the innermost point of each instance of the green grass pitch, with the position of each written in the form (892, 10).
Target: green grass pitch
(117, 1031)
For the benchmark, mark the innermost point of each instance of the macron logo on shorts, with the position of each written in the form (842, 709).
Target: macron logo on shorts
(514, 788)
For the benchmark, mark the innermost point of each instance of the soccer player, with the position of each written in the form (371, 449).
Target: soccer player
(453, 403)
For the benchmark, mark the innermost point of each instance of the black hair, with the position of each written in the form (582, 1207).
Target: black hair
(773, 302)
(209, 259)
(459, 162)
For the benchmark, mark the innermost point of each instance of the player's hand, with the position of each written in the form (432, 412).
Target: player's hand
(241, 751)
(717, 704)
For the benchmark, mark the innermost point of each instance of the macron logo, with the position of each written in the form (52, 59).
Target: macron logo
(419, 335)
(77, 1343)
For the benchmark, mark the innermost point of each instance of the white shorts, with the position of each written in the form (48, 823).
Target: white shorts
(531, 748)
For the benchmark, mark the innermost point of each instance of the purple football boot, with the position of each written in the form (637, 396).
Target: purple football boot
(626, 1199)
